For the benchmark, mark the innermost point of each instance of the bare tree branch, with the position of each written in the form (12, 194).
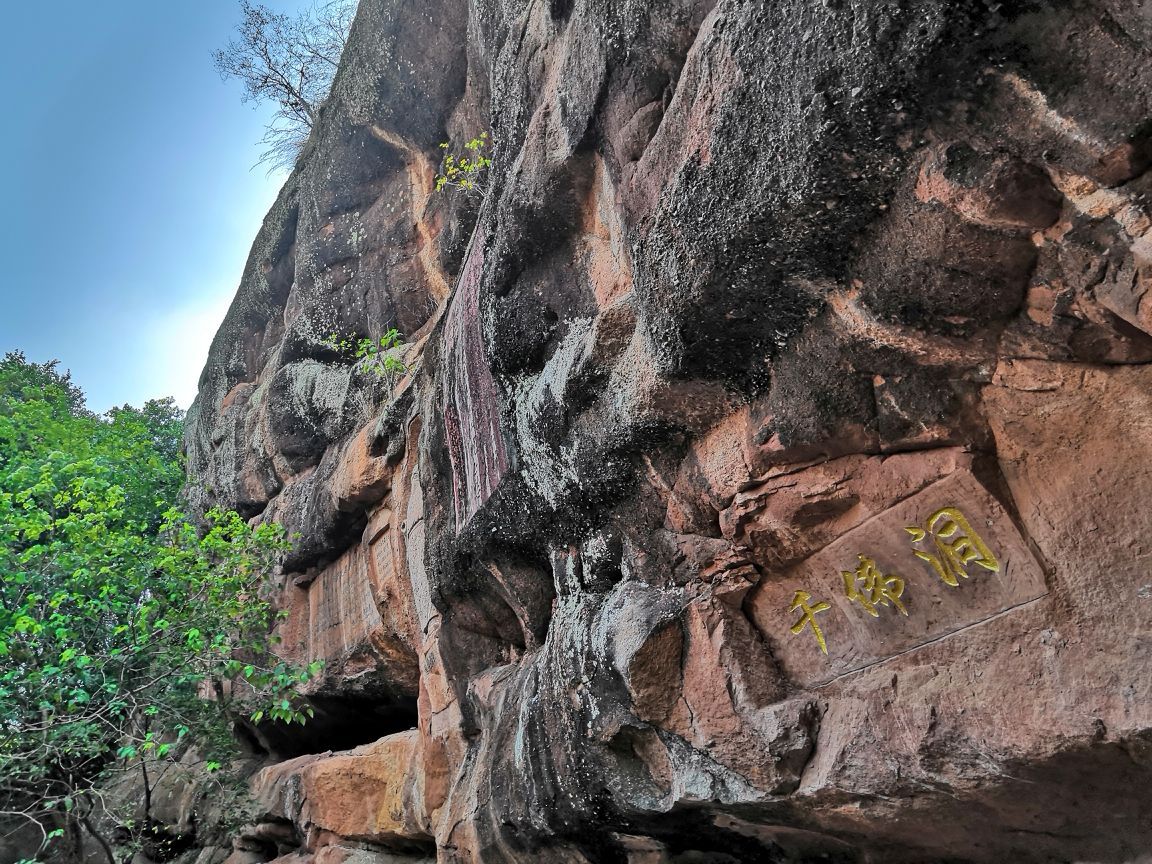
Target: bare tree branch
(290, 62)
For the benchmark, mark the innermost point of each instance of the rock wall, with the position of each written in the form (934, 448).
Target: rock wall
(769, 482)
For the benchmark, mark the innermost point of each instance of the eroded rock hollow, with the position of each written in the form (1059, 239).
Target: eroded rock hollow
(770, 477)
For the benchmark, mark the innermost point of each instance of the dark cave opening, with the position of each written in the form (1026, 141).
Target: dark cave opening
(339, 723)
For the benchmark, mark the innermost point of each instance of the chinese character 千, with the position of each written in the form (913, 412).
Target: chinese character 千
(800, 602)
(957, 546)
(871, 588)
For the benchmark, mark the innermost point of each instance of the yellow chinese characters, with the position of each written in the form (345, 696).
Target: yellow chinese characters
(800, 603)
(956, 544)
(871, 588)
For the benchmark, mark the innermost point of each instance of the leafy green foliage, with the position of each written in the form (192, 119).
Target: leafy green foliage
(467, 171)
(383, 357)
(117, 615)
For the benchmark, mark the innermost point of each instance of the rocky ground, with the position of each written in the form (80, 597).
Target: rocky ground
(770, 480)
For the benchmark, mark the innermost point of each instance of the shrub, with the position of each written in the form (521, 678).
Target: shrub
(466, 171)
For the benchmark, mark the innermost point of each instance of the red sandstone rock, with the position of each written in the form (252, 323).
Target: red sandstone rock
(772, 316)
(367, 794)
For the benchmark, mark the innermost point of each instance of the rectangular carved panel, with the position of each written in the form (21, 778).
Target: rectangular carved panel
(343, 614)
(944, 559)
(381, 556)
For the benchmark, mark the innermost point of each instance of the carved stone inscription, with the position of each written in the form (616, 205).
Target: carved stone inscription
(944, 559)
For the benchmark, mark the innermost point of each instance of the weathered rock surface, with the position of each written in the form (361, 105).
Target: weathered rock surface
(769, 481)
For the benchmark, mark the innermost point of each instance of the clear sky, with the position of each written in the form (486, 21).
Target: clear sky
(128, 200)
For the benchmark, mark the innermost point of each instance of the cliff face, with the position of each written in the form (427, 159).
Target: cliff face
(770, 478)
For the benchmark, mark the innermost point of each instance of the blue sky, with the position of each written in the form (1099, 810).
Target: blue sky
(128, 200)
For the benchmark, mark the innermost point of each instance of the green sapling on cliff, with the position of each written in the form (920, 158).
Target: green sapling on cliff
(383, 356)
(467, 171)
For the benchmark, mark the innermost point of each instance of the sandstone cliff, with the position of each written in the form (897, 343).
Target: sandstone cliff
(770, 481)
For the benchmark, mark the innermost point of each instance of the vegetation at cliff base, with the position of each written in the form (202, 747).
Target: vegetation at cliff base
(118, 615)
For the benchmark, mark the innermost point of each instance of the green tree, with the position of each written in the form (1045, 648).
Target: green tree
(117, 616)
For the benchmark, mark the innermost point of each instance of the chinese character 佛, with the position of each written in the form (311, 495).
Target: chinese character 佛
(871, 588)
(957, 546)
(800, 602)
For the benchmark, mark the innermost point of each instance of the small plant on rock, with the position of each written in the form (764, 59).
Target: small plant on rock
(382, 356)
(468, 171)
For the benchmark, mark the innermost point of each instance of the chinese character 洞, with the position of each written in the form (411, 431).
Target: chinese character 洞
(956, 544)
(800, 602)
(871, 588)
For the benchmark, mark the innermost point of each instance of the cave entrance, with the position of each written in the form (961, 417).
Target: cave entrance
(340, 723)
